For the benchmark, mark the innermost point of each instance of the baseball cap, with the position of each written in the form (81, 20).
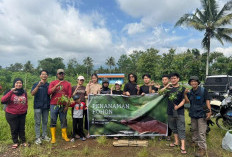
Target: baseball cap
(60, 71)
(81, 78)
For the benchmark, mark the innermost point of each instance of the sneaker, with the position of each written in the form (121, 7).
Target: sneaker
(83, 138)
(72, 140)
(38, 141)
(46, 138)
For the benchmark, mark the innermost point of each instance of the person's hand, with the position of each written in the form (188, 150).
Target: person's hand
(127, 94)
(186, 91)
(152, 83)
(138, 88)
(40, 83)
(112, 87)
(13, 89)
(58, 83)
(208, 115)
(176, 107)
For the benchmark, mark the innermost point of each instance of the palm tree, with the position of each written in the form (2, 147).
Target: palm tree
(110, 62)
(212, 21)
(88, 62)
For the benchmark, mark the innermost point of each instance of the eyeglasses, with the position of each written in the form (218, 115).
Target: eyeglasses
(61, 73)
(131, 76)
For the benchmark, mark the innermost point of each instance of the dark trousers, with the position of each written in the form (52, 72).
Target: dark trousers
(169, 131)
(78, 127)
(17, 126)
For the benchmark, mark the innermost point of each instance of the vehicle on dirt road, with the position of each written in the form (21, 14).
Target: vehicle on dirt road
(218, 86)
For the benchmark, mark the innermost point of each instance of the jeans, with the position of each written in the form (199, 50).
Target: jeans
(38, 114)
(56, 110)
(177, 125)
(199, 127)
(17, 126)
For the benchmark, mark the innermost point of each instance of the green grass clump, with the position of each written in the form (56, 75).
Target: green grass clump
(143, 153)
(102, 140)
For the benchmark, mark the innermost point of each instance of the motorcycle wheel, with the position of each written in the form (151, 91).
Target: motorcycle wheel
(221, 124)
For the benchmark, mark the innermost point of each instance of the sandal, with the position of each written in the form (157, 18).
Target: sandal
(183, 151)
(173, 145)
(14, 146)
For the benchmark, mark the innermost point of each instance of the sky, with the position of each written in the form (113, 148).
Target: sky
(37, 29)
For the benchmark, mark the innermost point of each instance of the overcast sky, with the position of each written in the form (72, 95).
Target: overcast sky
(36, 29)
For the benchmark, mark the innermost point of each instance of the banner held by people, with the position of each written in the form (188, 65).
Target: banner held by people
(113, 115)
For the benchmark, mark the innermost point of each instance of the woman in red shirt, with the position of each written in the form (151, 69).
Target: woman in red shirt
(16, 110)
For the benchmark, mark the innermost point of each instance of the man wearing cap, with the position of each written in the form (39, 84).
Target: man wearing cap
(57, 89)
(79, 89)
(200, 112)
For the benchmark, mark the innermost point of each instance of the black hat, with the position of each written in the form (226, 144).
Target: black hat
(105, 80)
(75, 97)
(194, 78)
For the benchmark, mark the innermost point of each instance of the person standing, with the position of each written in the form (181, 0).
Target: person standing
(79, 90)
(200, 112)
(105, 87)
(93, 88)
(78, 108)
(165, 82)
(175, 111)
(148, 87)
(57, 89)
(16, 111)
(131, 88)
(41, 106)
(116, 89)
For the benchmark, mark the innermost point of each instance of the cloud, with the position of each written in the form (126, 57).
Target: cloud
(153, 12)
(33, 30)
(134, 28)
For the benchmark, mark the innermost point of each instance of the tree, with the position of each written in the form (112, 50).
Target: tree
(72, 67)
(28, 67)
(88, 62)
(124, 63)
(212, 21)
(110, 62)
(15, 67)
(51, 65)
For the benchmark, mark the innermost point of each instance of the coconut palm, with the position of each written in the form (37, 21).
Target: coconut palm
(212, 21)
(110, 62)
(88, 62)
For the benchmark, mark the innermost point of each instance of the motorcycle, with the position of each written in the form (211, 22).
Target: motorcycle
(224, 118)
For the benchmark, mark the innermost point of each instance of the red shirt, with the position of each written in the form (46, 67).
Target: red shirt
(64, 88)
(15, 104)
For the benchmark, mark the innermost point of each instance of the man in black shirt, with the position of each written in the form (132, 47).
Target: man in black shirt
(175, 111)
(148, 87)
(131, 88)
(105, 87)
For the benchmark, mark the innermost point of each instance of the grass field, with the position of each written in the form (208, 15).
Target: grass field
(101, 146)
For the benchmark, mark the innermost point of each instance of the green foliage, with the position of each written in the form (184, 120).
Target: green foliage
(51, 65)
(143, 153)
(102, 140)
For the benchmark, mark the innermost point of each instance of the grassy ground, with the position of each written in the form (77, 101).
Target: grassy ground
(101, 146)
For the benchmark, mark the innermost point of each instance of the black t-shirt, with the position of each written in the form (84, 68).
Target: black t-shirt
(145, 89)
(105, 91)
(179, 97)
(131, 88)
(117, 92)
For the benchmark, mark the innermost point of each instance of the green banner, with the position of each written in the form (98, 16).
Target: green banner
(114, 115)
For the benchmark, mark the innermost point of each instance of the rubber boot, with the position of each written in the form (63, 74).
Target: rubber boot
(64, 134)
(53, 134)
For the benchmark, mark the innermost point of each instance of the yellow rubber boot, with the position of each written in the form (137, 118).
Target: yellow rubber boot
(64, 134)
(53, 134)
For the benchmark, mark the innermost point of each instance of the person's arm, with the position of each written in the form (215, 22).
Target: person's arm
(167, 86)
(35, 88)
(7, 97)
(186, 96)
(176, 107)
(52, 87)
(125, 90)
(87, 89)
(207, 98)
